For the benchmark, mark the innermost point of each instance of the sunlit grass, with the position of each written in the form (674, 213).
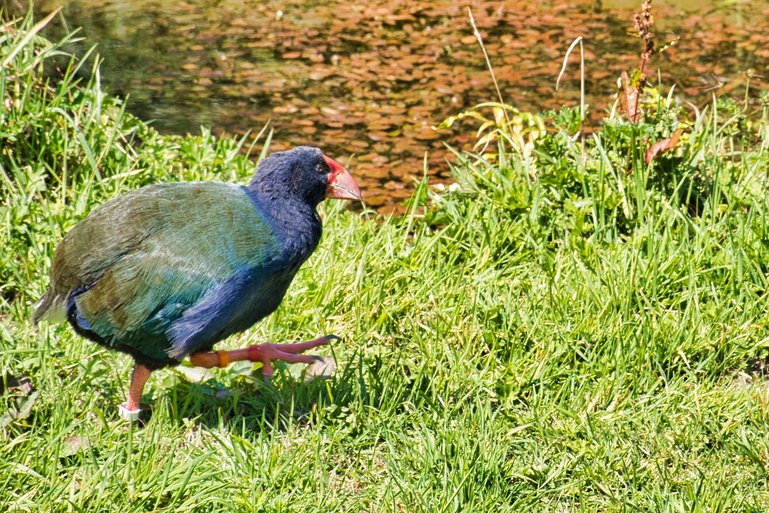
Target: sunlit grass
(560, 334)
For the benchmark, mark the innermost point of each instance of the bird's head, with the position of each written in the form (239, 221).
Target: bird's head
(307, 173)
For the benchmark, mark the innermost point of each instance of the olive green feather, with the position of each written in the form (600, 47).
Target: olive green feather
(175, 242)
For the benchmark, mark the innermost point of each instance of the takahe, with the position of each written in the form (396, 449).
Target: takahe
(166, 271)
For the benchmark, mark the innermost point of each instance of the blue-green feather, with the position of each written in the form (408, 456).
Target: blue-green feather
(198, 242)
(169, 270)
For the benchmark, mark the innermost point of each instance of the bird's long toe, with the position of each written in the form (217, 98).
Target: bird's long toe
(271, 353)
(300, 347)
(264, 353)
(289, 353)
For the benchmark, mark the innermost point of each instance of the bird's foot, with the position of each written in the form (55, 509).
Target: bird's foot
(264, 353)
(289, 353)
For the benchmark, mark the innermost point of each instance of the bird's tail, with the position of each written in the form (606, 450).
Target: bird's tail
(49, 308)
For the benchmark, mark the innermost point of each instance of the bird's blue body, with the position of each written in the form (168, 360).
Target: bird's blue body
(169, 270)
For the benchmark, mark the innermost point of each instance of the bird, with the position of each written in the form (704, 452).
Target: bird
(166, 271)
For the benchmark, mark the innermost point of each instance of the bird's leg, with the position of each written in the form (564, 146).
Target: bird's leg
(130, 409)
(265, 353)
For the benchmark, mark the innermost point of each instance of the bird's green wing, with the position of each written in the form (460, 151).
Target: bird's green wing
(140, 261)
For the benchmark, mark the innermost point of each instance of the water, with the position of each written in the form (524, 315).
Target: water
(367, 82)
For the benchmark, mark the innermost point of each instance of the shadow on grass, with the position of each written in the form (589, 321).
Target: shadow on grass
(249, 403)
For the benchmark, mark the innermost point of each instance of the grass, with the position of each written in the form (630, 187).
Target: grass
(569, 329)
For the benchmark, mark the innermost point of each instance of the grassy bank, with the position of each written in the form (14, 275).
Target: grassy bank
(570, 329)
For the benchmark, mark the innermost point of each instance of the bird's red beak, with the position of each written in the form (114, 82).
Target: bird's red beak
(341, 184)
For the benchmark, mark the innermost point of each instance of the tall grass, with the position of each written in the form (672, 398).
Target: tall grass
(554, 334)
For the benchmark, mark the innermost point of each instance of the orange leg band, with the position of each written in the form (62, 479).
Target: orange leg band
(224, 358)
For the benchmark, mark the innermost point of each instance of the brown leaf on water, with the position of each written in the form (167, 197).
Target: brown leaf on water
(373, 172)
(377, 200)
(285, 109)
(377, 135)
(379, 125)
(313, 55)
(320, 73)
(392, 185)
(663, 145)
(426, 134)
(356, 145)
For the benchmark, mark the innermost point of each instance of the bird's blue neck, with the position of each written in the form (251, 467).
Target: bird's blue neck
(296, 223)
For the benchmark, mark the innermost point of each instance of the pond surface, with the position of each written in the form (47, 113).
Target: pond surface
(367, 82)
